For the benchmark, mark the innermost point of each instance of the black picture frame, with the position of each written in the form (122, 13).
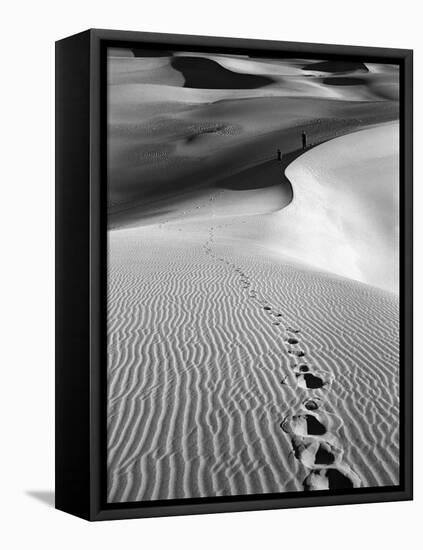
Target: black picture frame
(81, 277)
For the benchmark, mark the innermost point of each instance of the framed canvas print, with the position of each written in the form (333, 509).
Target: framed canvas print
(234, 274)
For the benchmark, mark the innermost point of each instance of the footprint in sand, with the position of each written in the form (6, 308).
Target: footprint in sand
(303, 368)
(309, 381)
(316, 445)
(327, 455)
(303, 377)
(313, 439)
(305, 425)
(313, 453)
(311, 404)
(297, 352)
(341, 477)
(312, 432)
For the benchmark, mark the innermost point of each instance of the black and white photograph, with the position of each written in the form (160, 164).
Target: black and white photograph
(252, 274)
(210, 237)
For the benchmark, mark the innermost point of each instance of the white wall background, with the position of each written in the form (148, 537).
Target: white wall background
(29, 29)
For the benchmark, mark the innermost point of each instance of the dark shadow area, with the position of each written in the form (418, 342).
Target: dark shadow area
(337, 480)
(336, 67)
(204, 73)
(267, 174)
(45, 497)
(324, 456)
(314, 427)
(343, 81)
(313, 382)
(297, 353)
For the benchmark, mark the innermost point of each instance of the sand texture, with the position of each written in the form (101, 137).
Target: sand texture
(253, 311)
(202, 374)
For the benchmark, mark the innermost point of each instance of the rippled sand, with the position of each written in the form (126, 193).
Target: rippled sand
(202, 374)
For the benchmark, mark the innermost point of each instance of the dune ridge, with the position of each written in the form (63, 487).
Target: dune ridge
(166, 137)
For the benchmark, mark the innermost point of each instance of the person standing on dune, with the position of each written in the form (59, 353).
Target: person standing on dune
(279, 153)
(304, 139)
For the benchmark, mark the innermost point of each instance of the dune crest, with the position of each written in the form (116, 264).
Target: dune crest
(348, 189)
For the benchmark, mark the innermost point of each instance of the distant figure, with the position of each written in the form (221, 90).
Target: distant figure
(279, 155)
(304, 138)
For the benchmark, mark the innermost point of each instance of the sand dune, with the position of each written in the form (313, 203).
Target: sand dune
(154, 163)
(348, 190)
(197, 354)
(166, 137)
(200, 72)
(253, 316)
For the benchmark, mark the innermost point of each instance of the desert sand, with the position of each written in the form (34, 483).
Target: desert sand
(253, 333)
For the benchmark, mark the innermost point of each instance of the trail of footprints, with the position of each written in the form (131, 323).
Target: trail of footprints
(314, 432)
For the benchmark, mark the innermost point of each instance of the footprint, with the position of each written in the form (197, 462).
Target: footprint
(304, 425)
(313, 453)
(341, 477)
(317, 423)
(303, 368)
(300, 368)
(311, 404)
(297, 353)
(314, 432)
(326, 455)
(310, 381)
(314, 426)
